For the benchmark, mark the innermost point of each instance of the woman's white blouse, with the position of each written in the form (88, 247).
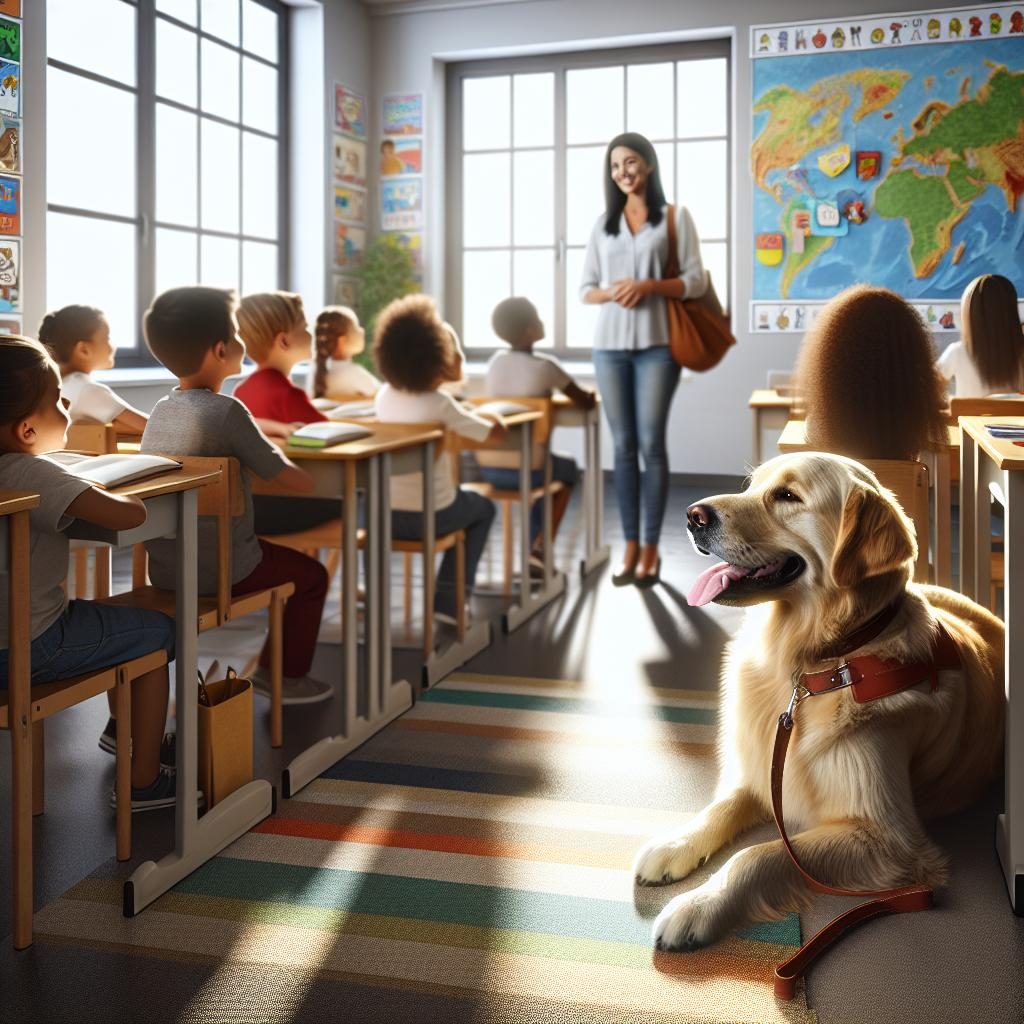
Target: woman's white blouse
(641, 256)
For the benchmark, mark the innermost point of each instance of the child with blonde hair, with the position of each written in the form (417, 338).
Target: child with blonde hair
(989, 358)
(79, 339)
(339, 339)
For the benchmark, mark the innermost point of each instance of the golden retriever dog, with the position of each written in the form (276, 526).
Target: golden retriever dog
(814, 548)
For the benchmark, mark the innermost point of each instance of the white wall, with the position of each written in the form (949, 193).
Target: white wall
(710, 427)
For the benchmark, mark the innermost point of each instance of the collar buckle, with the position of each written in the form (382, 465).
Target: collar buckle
(842, 677)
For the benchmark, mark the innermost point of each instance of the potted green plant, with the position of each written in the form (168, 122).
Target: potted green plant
(388, 274)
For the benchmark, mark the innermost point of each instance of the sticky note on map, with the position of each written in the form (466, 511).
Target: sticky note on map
(826, 219)
(835, 161)
(769, 248)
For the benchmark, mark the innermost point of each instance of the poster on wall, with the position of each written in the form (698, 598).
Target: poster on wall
(412, 243)
(401, 156)
(10, 40)
(11, 7)
(10, 275)
(349, 111)
(10, 88)
(346, 291)
(10, 144)
(349, 204)
(886, 150)
(349, 246)
(10, 206)
(403, 114)
(401, 204)
(11, 325)
(349, 160)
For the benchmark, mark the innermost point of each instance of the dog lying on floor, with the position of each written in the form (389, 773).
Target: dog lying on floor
(815, 548)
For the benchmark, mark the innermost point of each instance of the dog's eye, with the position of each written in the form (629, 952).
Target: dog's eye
(785, 494)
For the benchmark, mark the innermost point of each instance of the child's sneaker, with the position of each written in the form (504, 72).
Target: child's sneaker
(108, 744)
(294, 689)
(161, 792)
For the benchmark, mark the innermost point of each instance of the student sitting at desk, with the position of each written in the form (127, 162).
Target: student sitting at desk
(867, 373)
(79, 338)
(72, 638)
(521, 373)
(416, 354)
(194, 332)
(339, 339)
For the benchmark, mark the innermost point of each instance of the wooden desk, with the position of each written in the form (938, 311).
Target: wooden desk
(939, 461)
(568, 414)
(995, 467)
(171, 512)
(15, 507)
(341, 471)
(770, 409)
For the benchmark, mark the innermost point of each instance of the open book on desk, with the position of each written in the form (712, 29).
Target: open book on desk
(1006, 431)
(323, 435)
(114, 470)
(501, 407)
(351, 410)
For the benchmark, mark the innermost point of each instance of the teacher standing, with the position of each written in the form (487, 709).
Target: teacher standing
(636, 374)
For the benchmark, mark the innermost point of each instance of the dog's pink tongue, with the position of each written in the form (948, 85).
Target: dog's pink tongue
(712, 582)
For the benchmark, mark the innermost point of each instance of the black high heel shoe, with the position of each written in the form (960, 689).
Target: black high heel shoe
(625, 577)
(648, 579)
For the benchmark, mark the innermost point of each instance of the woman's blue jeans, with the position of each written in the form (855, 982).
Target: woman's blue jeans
(636, 392)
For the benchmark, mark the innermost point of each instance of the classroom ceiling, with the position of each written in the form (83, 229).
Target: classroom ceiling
(405, 6)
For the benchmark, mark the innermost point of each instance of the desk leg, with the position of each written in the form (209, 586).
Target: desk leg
(195, 841)
(1010, 824)
(429, 536)
(373, 556)
(968, 513)
(756, 447)
(19, 684)
(593, 494)
(943, 520)
(349, 593)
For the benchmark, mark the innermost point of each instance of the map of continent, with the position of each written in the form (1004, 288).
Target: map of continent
(948, 122)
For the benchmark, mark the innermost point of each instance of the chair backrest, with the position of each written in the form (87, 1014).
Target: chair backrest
(908, 480)
(95, 438)
(987, 406)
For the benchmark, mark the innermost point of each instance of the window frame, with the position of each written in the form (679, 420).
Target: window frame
(146, 102)
(559, 64)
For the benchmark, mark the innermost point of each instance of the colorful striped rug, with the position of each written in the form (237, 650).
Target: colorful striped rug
(472, 862)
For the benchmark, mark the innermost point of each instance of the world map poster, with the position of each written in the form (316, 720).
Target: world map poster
(890, 151)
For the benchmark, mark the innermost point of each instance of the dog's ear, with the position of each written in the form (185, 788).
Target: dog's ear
(875, 537)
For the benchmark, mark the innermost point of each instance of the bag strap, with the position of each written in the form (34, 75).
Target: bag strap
(903, 900)
(672, 263)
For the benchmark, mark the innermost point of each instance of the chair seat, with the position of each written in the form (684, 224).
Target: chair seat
(156, 600)
(442, 543)
(535, 494)
(326, 535)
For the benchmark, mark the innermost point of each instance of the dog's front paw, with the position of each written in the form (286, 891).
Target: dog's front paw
(690, 921)
(666, 860)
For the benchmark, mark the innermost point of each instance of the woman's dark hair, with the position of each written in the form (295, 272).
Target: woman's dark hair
(869, 380)
(991, 332)
(615, 198)
(25, 369)
(63, 330)
(412, 346)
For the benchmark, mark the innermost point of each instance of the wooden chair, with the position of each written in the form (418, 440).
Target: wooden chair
(446, 541)
(908, 480)
(224, 501)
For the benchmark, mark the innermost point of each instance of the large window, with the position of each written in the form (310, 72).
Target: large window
(165, 152)
(526, 144)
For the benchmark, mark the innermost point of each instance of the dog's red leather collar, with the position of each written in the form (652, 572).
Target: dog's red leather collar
(870, 677)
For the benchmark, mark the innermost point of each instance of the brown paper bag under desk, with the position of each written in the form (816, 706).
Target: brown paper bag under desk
(225, 738)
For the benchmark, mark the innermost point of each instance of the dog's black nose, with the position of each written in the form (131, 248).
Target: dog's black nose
(700, 517)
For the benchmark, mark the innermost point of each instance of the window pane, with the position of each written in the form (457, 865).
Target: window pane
(580, 319)
(259, 95)
(183, 10)
(218, 262)
(219, 181)
(220, 80)
(71, 130)
(259, 30)
(534, 205)
(177, 70)
(534, 109)
(666, 154)
(533, 275)
(584, 192)
(715, 256)
(177, 165)
(649, 100)
(486, 113)
(486, 199)
(259, 267)
(73, 35)
(220, 18)
(701, 97)
(177, 259)
(486, 280)
(703, 177)
(92, 262)
(594, 104)
(259, 186)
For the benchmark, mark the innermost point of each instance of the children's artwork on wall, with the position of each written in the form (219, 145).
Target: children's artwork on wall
(10, 275)
(401, 204)
(349, 111)
(401, 156)
(10, 88)
(349, 160)
(412, 242)
(349, 245)
(10, 206)
(10, 144)
(403, 114)
(11, 7)
(350, 204)
(10, 325)
(10, 40)
(346, 291)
